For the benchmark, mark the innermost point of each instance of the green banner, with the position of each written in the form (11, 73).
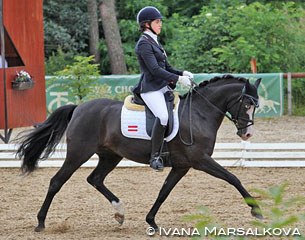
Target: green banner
(270, 90)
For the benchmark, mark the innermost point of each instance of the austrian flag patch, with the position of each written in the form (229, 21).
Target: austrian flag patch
(132, 128)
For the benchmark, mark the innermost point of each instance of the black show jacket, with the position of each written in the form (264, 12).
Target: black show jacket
(156, 72)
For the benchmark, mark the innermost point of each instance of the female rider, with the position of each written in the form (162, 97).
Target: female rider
(157, 77)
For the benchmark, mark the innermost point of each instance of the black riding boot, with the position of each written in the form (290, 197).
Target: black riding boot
(157, 138)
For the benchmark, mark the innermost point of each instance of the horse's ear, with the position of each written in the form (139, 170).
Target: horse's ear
(257, 82)
(246, 87)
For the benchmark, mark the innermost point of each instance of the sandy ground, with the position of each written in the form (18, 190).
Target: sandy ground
(80, 212)
(272, 130)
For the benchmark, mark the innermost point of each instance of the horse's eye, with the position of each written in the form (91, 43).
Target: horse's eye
(247, 106)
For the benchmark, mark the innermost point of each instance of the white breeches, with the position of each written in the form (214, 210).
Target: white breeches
(156, 103)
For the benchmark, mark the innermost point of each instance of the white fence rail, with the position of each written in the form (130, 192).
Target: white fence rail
(243, 154)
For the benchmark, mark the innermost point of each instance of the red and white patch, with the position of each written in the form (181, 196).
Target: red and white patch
(132, 128)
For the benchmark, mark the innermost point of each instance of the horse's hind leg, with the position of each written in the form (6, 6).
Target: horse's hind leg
(172, 179)
(210, 166)
(72, 163)
(107, 162)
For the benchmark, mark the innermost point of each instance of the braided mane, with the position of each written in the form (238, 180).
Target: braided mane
(216, 80)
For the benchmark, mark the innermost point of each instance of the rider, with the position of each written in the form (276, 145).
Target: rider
(157, 77)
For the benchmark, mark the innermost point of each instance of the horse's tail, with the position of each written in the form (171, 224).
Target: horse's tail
(40, 142)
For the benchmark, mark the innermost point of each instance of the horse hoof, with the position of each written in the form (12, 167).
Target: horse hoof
(153, 225)
(256, 212)
(258, 216)
(39, 229)
(119, 218)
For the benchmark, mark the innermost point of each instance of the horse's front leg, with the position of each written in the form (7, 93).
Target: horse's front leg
(172, 179)
(210, 166)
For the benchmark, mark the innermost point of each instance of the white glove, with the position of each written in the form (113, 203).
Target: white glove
(189, 74)
(185, 81)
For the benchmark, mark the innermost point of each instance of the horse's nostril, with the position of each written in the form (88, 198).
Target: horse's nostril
(249, 135)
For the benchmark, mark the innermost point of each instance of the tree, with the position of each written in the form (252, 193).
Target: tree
(65, 26)
(79, 76)
(226, 35)
(93, 29)
(112, 37)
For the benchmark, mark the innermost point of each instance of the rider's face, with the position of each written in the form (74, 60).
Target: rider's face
(156, 25)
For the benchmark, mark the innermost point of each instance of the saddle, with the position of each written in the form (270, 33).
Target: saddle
(135, 103)
(137, 121)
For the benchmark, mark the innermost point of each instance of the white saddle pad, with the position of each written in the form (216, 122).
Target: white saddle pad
(133, 124)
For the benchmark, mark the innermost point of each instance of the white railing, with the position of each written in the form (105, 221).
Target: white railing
(243, 154)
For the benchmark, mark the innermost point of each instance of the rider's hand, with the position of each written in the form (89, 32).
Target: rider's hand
(189, 74)
(185, 81)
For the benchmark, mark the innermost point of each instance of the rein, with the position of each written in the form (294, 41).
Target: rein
(190, 97)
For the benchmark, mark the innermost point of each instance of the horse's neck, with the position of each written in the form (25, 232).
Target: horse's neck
(217, 97)
(206, 109)
(209, 105)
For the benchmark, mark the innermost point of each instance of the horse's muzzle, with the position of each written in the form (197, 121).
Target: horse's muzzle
(245, 133)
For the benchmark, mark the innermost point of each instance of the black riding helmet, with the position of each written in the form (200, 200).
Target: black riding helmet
(148, 14)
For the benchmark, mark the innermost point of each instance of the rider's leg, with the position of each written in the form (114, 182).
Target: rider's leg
(156, 103)
(157, 139)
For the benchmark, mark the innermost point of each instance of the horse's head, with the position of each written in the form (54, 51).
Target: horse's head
(242, 110)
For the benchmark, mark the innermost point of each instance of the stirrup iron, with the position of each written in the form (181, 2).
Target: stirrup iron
(156, 163)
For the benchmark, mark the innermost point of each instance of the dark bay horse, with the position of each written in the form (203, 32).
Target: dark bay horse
(94, 127)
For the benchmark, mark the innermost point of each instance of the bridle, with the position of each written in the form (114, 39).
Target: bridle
(254, 101)
(235, 118)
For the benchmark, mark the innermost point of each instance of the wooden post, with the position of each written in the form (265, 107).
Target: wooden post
(289, 94)
(7, 132)
(253, 65)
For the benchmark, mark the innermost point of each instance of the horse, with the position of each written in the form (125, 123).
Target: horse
(93, 127)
